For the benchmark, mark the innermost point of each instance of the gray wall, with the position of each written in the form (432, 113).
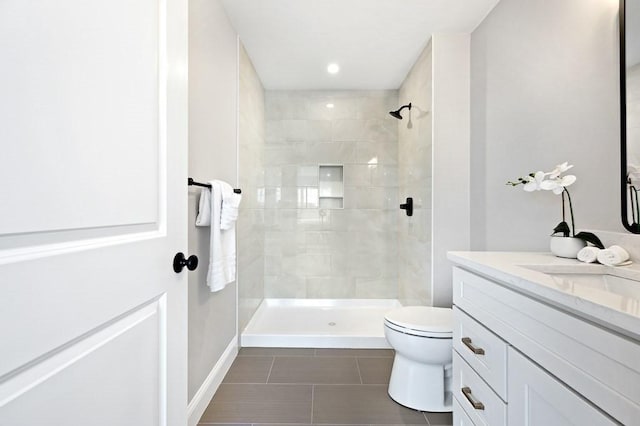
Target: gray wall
(212, 155)
(544, 90)
(451, 158)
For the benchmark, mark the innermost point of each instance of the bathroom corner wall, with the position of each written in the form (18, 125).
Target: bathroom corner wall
(545, 89)
(415, 177)
(312, 252)
(212, 155)
(250, 230)
(451, 158)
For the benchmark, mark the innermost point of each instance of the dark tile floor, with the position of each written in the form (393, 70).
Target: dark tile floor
(311, 386)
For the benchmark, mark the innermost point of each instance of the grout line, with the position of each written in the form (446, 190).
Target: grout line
(313, 391)
(273, 361)
(426, 418)
(359, 372)
(305, 384)
(338, 384)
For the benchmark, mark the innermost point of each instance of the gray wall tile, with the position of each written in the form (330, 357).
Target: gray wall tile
(301, 134)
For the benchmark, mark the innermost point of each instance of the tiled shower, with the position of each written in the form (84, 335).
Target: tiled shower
(322, 182)
(312, 251)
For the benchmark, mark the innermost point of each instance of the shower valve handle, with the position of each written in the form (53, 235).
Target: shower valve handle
(408, 206)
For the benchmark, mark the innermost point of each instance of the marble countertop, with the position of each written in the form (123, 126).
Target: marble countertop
(595, 292)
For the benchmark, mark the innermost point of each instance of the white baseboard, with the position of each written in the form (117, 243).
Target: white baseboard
(202, 398)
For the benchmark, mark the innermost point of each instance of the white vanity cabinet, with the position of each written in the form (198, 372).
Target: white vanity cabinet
(520, 360)
(537, 398)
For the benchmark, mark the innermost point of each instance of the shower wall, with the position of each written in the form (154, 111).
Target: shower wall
(415, 172)
(348, 252)
(250, 229)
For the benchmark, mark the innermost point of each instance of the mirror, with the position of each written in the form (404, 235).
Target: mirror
(630, 112)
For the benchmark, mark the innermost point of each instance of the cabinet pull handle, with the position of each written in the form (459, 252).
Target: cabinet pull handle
(466, 391)
(475, 350)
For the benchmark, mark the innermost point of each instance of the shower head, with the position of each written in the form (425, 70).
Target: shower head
(396, 113)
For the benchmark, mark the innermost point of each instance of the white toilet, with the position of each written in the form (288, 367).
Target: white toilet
(421, 375)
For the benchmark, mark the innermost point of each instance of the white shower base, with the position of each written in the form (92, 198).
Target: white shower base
(319, 323)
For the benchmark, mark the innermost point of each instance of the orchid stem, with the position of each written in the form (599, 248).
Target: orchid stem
(573, 226)
(563, 214)
(635, 208)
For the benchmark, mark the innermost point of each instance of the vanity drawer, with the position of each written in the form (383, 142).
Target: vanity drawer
(485, 352)
(460, 417)
(469, 388)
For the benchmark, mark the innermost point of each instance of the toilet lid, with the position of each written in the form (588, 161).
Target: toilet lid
(422, 318)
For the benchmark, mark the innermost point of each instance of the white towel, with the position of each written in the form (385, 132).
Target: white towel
(222, 254)
(204, 208)
(230, 206)
(588, 254)
(614, 256)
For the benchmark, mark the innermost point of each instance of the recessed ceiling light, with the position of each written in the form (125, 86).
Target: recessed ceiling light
(333, 68)
(330, 105)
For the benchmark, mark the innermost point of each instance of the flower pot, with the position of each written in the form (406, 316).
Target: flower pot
(566, 246)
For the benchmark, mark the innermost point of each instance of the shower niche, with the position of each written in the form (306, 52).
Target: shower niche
(331, 186)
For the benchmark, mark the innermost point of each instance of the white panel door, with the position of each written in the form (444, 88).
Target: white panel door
(538, 399)
(93, 143)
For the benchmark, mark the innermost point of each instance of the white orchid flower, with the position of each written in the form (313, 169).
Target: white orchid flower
(553, 181)
(534, 182)
(558, 184)
(560, 169)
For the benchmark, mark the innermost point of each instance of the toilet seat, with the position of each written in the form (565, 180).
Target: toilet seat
(424, 321)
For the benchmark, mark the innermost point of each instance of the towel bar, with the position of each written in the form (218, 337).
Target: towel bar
(192, 182)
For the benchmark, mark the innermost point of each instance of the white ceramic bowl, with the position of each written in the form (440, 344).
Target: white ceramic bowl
(566, 246)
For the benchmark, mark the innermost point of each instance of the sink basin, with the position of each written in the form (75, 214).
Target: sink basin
(605, 282)
(614, 287)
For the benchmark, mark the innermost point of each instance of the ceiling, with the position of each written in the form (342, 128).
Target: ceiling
(375, 42)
